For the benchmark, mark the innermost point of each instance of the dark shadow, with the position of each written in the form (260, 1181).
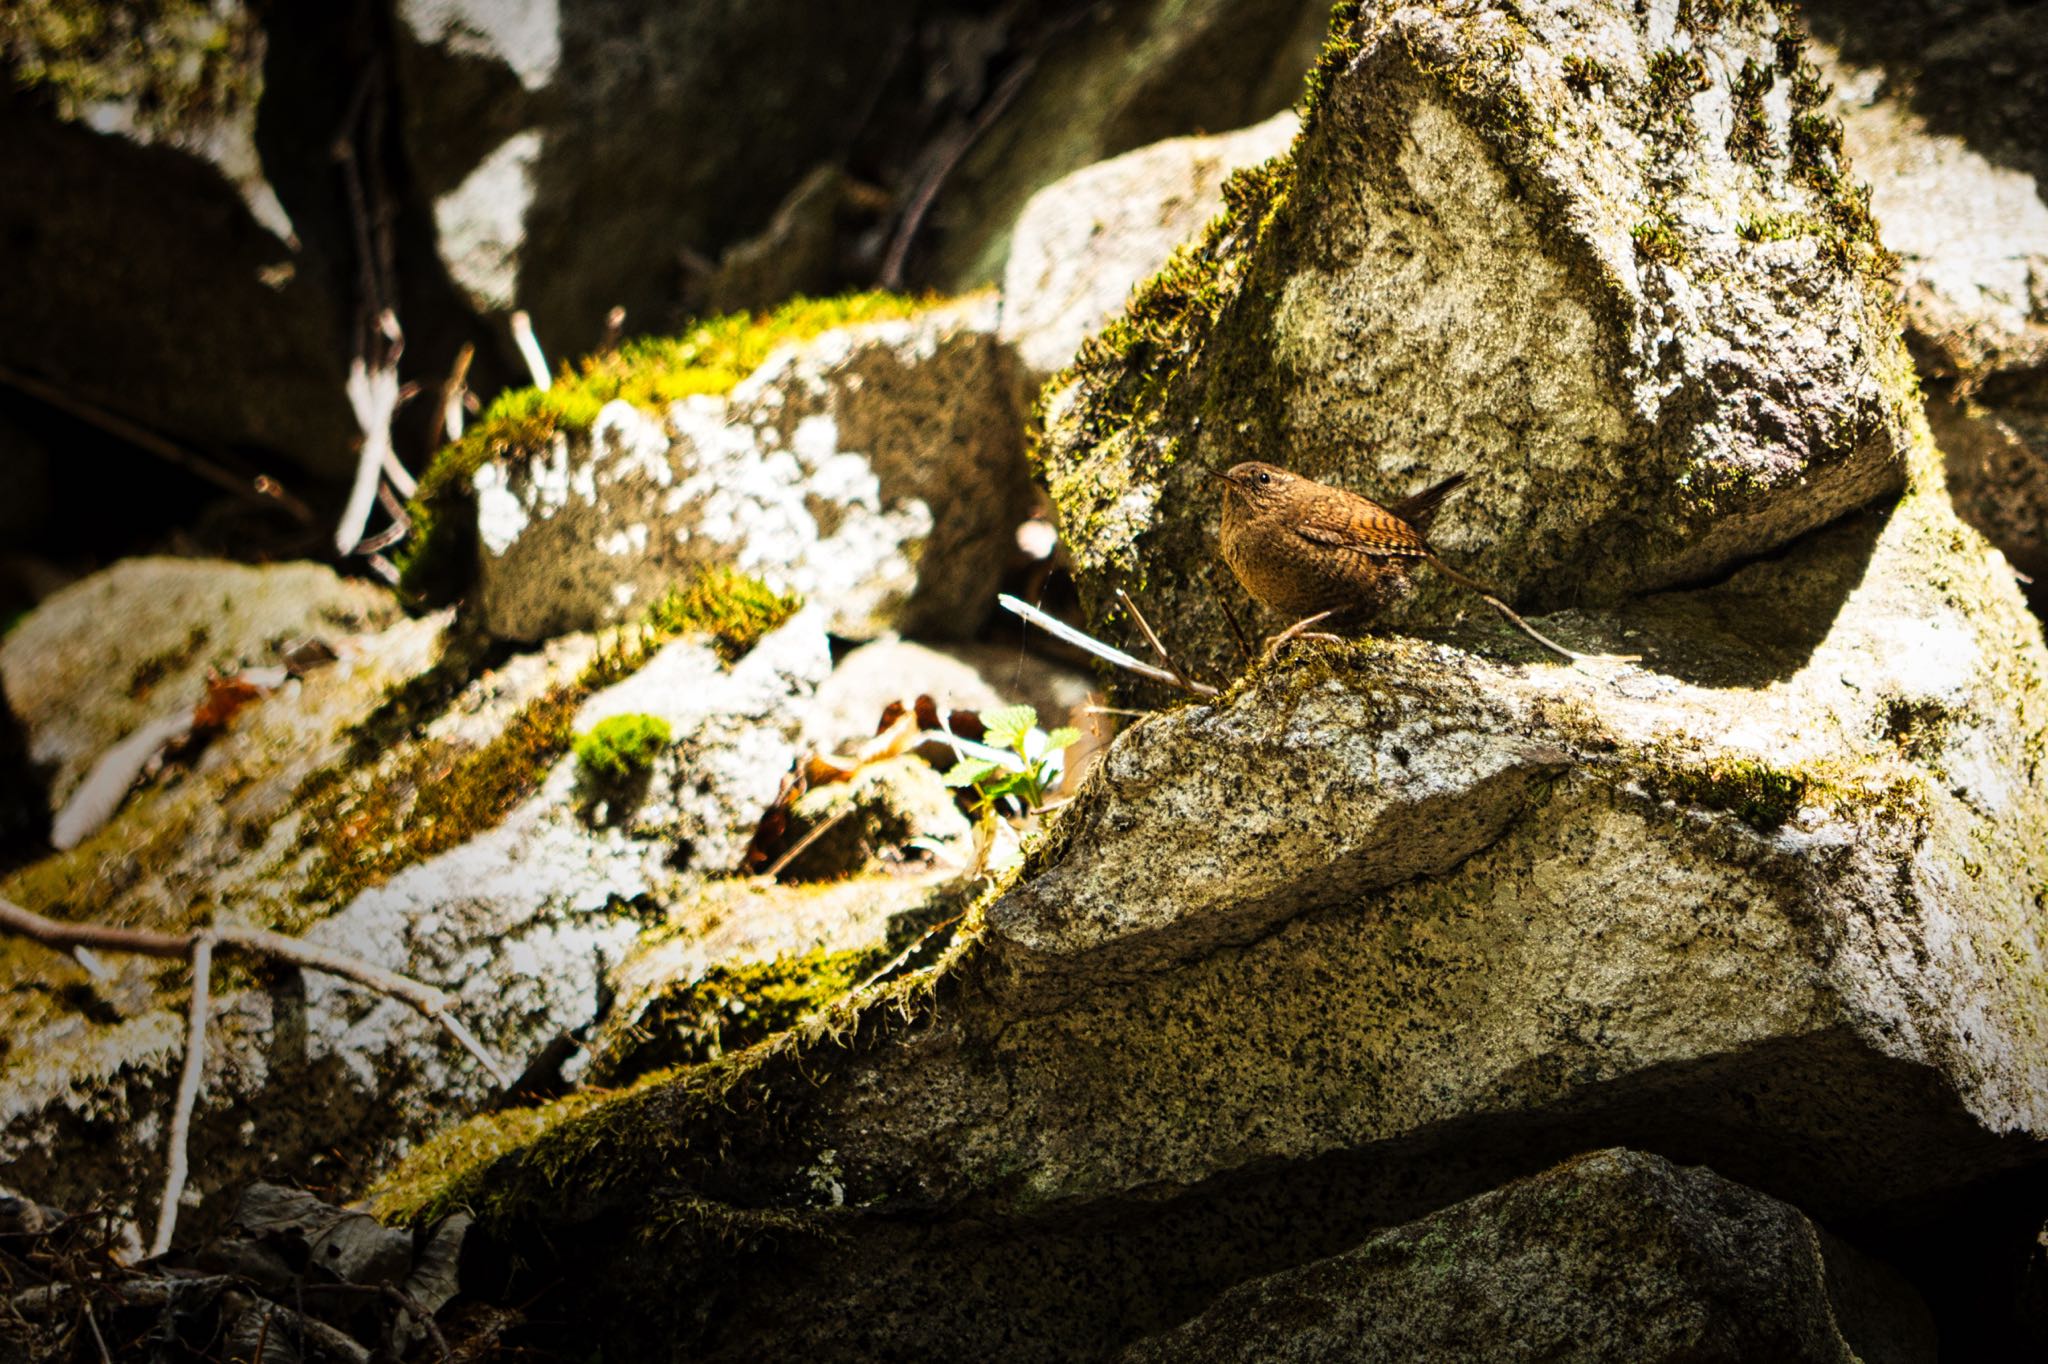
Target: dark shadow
(1974, 69)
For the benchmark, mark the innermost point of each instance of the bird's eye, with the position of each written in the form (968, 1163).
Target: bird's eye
(1265, 478)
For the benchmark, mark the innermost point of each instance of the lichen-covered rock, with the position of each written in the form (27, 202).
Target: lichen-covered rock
(135, 642)
(1084, 242)
(877, 470)
(1613, 1255)
(1606, 262)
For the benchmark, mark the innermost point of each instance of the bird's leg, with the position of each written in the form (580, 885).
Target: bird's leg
(1295, 631)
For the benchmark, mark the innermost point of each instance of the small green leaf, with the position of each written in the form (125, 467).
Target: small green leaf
(968, 771)
(1062, 737)
(1006, 726)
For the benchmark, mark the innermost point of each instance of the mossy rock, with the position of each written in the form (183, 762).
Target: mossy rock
(1479, 259)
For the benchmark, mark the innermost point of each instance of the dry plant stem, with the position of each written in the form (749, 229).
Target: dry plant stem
(529, 350)
(1244, 644)
(1145, 628)
(1108, 653)
(373, 396)
(920, 204)
(1497, 604)
(263, 490)
(452, 389)
(177, 1165)
(430, 1002)
(775, 867)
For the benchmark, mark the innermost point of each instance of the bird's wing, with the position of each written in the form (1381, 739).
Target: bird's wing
(1364, 527)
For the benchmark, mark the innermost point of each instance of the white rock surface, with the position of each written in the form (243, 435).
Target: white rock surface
(1083, 243)
(877, 470)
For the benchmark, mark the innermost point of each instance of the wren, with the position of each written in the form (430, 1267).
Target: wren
(1317, 553)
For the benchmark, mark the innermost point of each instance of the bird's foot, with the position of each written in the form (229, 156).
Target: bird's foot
(1298, 630)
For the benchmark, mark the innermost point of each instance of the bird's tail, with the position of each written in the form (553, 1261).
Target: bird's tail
(1419, 510)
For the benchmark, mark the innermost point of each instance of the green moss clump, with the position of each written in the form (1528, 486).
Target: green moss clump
(735, 609)
(710, 358)
(622, 747)
(1759, 795)
(1582, 73)
(1674, 78)
(445, 1173)
(730, 1008)
(1776, 227)
(1657, 239)
(1750, 139)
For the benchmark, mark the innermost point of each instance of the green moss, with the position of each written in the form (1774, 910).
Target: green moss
(173, 61)
(1582, 73)
(710, 358)
(1674, 78)
(622, 747)
(1750, 139)
(730, 1008)
(1776, 227)
(1657, 239)
(734, 608)
(1761, 796)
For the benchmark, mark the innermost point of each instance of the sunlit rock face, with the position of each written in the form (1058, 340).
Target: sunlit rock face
(876, 470)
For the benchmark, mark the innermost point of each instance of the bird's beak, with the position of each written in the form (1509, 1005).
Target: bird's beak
(1216, 474)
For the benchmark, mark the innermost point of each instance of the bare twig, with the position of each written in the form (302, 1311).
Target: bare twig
(383, 568)
(430, 1002)
(1244, 644)
(98, 1340)
(529, 350)
(373, 395)
(1109, 653)
(921, 203)
(452, 389)
(177, 1164)
(262, 489)
(1145, 628)
(1486, 595)
(775, 867)
(96, 798)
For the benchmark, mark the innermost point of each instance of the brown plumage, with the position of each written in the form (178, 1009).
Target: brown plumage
(1302, 547)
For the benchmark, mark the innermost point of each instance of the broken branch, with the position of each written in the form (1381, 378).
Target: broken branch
(188, 1092)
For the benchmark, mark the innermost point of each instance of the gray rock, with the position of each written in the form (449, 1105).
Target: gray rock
(1581, 255)
(877, 470)
(1084, 242)
(128, 645)
(1613, 1255)
(1964, 209)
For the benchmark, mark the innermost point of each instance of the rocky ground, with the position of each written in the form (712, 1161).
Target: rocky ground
(845, 971)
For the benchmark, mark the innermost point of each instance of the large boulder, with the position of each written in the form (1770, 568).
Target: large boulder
(418, 804)
(877, 470)
(1083, 243)
(1610, 266)
(1613, 1255)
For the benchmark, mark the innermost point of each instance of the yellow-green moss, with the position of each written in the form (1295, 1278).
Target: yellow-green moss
(1657, 239)
(172, 61)
(735, 609)
(622, 746)
(1759, 795)
(710, 358)
(731, 1007)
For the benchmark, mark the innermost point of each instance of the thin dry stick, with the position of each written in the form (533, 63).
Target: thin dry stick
(430, 1002)
(1497, 604)
(1145, 627)
(775, 867)
(1108, 653)
(452, 389)
(263, 489)
(188, 1092)
(373, 396)
(1244, 644)
(921, 202)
